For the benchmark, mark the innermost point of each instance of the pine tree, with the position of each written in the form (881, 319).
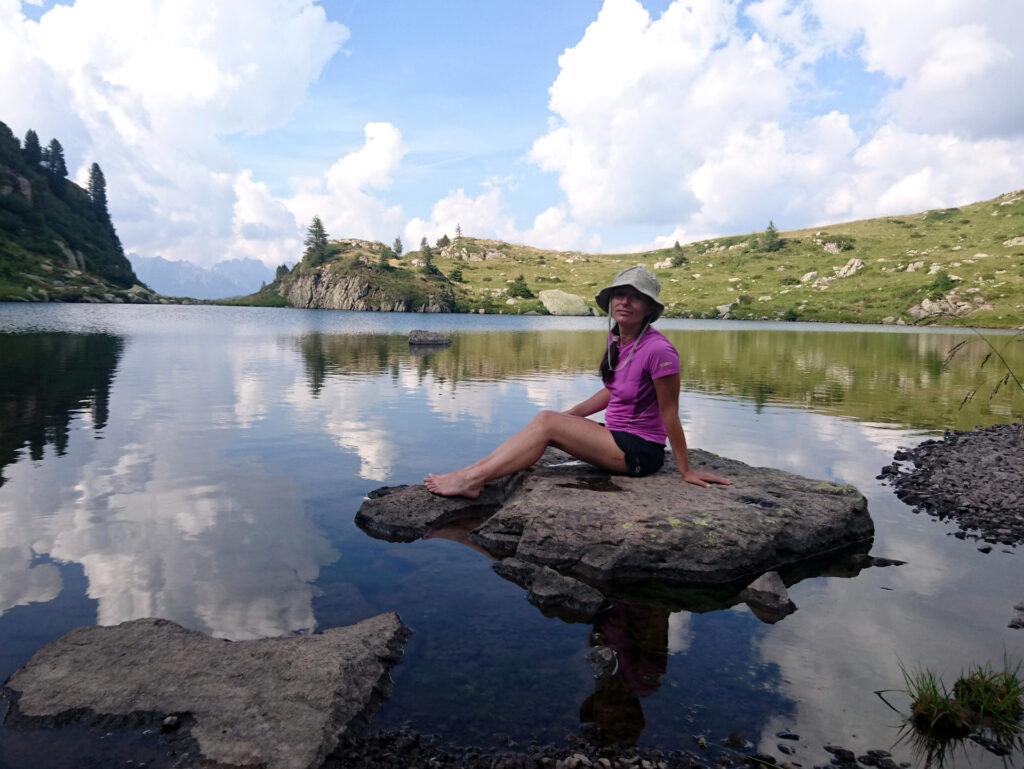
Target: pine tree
(428, 255)
(55, 160)
(281, 271)
(443, 241)
(397, 247)
(316, 243)
(771, 241)
(98, 191)
(458, 231)
(33, 152)
(678, 257)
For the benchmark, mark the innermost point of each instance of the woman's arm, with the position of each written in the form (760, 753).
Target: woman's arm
(595, 403)
(667, 390)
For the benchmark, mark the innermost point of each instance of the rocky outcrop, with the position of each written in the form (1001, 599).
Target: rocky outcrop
(552, 592)
(563, 303)
(952, 304)
(327, 290)
(281, 703)
(603, 530)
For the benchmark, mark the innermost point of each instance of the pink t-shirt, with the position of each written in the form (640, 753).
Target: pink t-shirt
(633, 407)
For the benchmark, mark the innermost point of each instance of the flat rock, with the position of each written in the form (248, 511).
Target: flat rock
(282, 703)
(559, 302)
(603, 529)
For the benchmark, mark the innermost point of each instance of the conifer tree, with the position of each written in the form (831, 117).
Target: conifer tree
(458, 231)
(444, 241)
(55, 160)
(428, 255)
(281, 271)
(33, 152)
(316, 243)
(397, 247)
(772, 241)
(98, 191)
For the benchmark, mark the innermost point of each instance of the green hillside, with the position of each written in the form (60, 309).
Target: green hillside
(966, 265)
(957, 266)
(57, 242)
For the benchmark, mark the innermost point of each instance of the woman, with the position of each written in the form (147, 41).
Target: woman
(640, 398)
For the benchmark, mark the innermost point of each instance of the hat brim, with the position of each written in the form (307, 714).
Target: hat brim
(605, 295)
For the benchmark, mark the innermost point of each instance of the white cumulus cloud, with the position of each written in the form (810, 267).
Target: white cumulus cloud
(150, 90)
(696, 122)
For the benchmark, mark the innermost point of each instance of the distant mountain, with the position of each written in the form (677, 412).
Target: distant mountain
(57, 241)
(234, 277)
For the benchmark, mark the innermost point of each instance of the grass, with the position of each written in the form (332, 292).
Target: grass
(962, 253)
(984, 704)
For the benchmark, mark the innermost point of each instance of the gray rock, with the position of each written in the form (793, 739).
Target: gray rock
(431, 338)
(584, 524)
(282, 703)
(767, 598)
(552, 592)
(563, 303)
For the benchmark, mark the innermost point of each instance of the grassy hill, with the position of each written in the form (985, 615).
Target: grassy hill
(56, 244)
(965, 263)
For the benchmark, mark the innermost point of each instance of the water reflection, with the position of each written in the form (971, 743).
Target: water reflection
(47, 379)
(885, 378)
(165, 515)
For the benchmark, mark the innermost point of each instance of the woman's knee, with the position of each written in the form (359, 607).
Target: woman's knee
(546, 420)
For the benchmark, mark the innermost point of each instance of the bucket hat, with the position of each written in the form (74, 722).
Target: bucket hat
(642, 280)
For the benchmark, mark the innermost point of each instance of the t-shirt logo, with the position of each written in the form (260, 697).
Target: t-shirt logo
(664, 364)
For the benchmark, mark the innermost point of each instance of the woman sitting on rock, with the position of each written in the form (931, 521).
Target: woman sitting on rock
(640, 398)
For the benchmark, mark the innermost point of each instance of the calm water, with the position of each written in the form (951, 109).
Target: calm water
(204, 465)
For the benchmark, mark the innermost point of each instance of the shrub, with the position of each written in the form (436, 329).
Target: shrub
(456, 276)
(842, 242)
(518, 288)
(792, 314)
(942, 285)
(789, 281)
(745, 299)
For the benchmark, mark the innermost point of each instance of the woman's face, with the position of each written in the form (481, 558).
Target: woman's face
(629, 306)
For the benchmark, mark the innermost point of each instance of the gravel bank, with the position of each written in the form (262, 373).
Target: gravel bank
(974, 478)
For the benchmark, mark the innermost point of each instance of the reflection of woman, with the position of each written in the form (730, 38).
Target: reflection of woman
(640, 398)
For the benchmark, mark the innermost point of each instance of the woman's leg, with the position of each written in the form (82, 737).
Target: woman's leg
(578, 436)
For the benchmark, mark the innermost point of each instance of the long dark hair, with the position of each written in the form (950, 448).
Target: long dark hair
(610, 359)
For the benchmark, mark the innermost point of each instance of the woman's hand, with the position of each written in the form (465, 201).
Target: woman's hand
(704, 479)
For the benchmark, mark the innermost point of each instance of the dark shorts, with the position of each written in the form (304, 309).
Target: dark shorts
(643, 457)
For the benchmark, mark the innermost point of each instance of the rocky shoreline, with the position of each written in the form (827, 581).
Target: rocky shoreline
(973, 478)
(402, 748)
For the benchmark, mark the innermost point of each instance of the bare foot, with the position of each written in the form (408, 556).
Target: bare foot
(453, 485)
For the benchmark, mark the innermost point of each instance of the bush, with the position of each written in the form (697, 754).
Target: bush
(942, 285)
(518, 288)
(843, 242)
(788, 281)
(456, 276)
(745, 299)
(792, 314)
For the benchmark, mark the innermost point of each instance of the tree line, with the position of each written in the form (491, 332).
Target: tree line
(51, 158)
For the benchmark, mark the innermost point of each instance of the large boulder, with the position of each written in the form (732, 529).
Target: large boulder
(563, 303)
(602, 529)
(281, 703)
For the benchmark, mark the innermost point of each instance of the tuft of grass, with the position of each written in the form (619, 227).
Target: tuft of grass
(985, 705)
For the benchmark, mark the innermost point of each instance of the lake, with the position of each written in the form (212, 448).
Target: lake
(204, 464)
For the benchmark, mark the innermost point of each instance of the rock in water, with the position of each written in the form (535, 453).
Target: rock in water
(767, 598)
(578, 521)
(563, 303)
(428, 338)
(282, 703)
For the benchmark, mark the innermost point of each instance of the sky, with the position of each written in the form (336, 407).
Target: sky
(224, 126)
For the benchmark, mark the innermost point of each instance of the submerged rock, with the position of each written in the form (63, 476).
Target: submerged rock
(584, 524)
(282, 703)
(552, 592)
(768, 598)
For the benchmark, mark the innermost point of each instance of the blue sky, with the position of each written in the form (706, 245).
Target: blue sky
(223, 126)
